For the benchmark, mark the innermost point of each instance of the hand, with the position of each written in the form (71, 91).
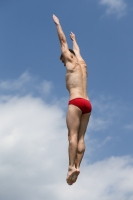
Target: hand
(56, 20)
(72, 36)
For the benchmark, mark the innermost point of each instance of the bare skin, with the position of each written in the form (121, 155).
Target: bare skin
(76, 83)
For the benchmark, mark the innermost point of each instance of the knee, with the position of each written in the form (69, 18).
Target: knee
(81, 141)
(72, 137)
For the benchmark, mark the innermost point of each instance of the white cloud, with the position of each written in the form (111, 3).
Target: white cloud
(33, 152)
(32, 137)
(129, 127)
(26, 83)
(105, 141)
(16, 84)
(108, 179)
(117, 7)
(104, 112)
(45, 87)
(107, 126)
(34, 158)
(97, 123)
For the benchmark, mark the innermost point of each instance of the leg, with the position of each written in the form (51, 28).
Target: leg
(73, 123)
(81, 144)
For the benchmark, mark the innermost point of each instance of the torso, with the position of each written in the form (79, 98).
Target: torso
(76, 79)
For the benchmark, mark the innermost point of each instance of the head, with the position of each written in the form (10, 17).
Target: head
(63, 59)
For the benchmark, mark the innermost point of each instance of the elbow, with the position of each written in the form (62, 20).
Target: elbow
(64, 47)
(63, 42)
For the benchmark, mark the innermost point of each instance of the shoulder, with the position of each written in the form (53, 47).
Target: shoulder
(69, 56)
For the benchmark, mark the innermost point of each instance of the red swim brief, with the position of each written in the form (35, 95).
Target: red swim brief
(83, 104)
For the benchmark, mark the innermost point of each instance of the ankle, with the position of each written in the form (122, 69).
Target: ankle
(71, 167)
(77, 166)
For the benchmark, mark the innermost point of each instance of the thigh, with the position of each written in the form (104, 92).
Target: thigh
(83, 125)
(73, 119)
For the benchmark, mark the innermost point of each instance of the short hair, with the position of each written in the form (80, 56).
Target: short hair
(70, 51)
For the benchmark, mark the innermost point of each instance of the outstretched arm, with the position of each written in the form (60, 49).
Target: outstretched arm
(61, 34)
(76, 48)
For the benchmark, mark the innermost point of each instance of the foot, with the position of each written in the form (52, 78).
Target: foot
(75, 176)
(71, 172)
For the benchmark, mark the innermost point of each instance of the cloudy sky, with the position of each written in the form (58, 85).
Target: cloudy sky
(33, 99)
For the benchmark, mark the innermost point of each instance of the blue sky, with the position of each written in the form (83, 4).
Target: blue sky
(33, 99)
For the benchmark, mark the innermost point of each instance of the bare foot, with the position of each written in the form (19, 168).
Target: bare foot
(75, 176)
(70, 174)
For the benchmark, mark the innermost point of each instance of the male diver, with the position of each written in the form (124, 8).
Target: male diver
(79, 106)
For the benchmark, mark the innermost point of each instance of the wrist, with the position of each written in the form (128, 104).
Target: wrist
(57, 24)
